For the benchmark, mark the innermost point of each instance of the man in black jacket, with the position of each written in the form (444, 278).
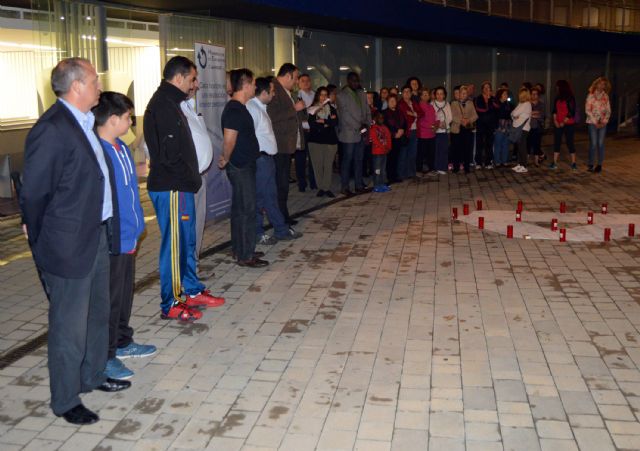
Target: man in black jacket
(67, 203)
(173, 179)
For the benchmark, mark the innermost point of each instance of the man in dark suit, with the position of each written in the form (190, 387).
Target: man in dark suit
(67, 203)
(287, 127)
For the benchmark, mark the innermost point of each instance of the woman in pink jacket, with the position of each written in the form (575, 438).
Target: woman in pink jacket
(426, 133)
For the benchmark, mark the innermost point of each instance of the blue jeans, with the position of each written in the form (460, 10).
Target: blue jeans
(500, 147)
(412, 152)
(379, 169)
(267, 197)
(243, 210)
(441, 161)
(175, 212)
(596, 142)
(352, 155)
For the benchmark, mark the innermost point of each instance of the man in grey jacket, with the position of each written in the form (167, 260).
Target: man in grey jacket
(354, 119)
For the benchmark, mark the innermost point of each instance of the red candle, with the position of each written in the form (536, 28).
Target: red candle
(563, 207)
(554, 224)
(604, 209)
(518, 216)
(519, 205)
(509, 231)
(478, 204)
(481, 222)
(563, 235)
(632, 230)
(465, 209)
(607, 234)
(454, 213)
(590, 217)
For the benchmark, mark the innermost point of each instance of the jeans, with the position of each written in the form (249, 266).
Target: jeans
(243, 210)
(267, 197)
(500, 148)
(352, 154)
(522, 148)
(441, 160)
(412, 150)
(283, 170)
(484, 146)
(300, 158)
(323, 156)
(379, 169)
(596, 142)
(534, 142)
(568, 131)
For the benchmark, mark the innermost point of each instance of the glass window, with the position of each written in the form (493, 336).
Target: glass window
(402, 59)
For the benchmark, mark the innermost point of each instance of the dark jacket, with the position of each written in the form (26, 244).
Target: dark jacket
(487, 112)
(285, 120)
(62, 195)
(323, 133)
(172, 154)
(503, 116)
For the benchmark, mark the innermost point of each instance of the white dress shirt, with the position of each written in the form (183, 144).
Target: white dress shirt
(201, 140)
(262, 124)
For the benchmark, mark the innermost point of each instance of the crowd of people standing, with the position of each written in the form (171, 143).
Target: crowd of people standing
(81, 207)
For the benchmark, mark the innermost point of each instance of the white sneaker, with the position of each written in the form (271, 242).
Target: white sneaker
(522, 169)
(516, 168)
(442, 172)
(489, 166)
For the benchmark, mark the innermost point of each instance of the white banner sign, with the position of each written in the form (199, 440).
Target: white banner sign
(210, 101)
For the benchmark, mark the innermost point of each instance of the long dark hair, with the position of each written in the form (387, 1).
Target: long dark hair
(410, 79)
(316, 97)
(564, 90)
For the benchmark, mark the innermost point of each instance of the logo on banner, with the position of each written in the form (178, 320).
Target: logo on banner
(202, 58)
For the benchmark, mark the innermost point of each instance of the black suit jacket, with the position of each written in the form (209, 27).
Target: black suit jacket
(62, 194)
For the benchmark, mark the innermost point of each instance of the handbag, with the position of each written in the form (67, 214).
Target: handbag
(514, 133)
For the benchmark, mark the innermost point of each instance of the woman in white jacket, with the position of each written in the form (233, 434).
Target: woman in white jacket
(521, 117)
(443, 121)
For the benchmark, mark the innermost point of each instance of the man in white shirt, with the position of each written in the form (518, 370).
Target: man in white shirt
(266, 191)
(204, 152)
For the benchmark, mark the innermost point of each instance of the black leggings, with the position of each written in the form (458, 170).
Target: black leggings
(568, 131)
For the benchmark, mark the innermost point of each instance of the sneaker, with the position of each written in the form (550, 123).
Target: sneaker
(115, 369)
(478, 167)
(386, 188)
(574, 167)
(516, 168)
(522, 170)
(590, 168)
(267, 240)
(553, 166)
(489, 166)
(135, 350)
(182, 312)
(379, 189)
(204, 298)
(291, 235)
(442, 172)
(598, 169)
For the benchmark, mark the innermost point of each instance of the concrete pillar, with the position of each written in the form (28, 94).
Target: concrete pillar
(283, 47)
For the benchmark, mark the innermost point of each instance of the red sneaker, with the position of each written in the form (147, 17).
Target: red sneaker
(204, 298)
(182, 312)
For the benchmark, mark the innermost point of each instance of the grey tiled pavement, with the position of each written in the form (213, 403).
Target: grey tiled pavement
(385, 326)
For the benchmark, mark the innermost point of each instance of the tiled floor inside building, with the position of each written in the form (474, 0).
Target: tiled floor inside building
(385, 327)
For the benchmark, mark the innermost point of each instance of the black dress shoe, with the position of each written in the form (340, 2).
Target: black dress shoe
(320, 193)
(253, 263)
(258, 254)
(113, 385)
(291, 221)
(346, 192)
(598, 169)
(329, 194)
(80, 415)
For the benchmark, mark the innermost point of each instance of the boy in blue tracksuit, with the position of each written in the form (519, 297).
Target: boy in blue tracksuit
(113, 119)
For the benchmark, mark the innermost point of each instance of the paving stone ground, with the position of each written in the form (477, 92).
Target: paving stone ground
(386, 326)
